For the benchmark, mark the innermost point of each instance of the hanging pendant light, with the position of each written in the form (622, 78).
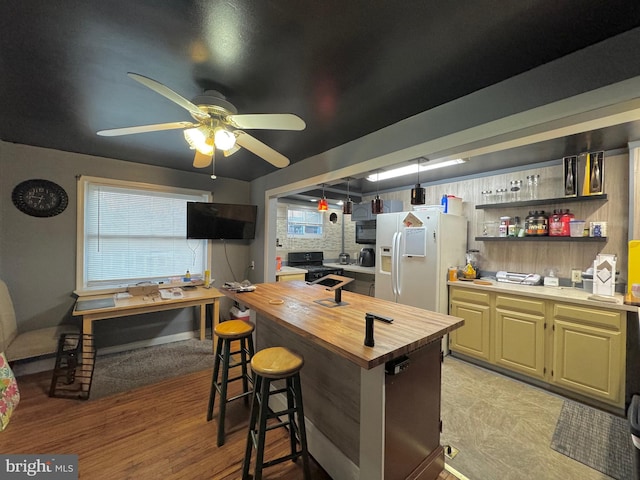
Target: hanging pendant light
(418, 192)
(347, 207)
(376, 204)
(323, 205)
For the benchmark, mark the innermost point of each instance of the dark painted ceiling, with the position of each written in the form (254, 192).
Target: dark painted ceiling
(348, 68)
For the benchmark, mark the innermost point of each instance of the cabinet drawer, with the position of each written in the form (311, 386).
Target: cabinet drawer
(470, 296)
(520, 304)
(587, 315)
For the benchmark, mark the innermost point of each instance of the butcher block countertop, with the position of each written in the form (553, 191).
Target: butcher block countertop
(341, 329)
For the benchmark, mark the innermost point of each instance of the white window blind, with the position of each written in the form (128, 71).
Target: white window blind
(304, 223)
(134, 233)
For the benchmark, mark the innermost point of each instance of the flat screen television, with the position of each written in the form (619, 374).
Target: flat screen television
(222, 221)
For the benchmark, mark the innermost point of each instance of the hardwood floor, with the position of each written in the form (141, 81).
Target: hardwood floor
(158, 431)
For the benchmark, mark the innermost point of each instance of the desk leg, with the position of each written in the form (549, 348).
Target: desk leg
(86, 356)
(203, 321)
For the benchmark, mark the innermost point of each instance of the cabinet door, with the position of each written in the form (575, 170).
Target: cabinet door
(589, 358)
(519, 342)
(473, 338)
(361, 212)
(289, 278)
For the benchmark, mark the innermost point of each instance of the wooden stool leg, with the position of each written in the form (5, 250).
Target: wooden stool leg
(214, 380)
(245, 372)
(290, 407)
(301, 427)
(263, 414)
(255, 406)
(226, 358)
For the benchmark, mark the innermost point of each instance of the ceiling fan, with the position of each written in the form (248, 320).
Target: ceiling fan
(218, 125)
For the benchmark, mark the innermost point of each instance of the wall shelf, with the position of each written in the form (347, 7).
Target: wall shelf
(541, 239)
(541, 201)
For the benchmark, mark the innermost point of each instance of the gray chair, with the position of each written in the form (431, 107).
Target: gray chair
(30, 344)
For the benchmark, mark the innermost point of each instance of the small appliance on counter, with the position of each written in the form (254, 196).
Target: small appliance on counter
(367, 257)
(344, 258)
(519, 278)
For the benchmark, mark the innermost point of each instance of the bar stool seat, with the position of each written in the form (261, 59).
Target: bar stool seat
(228, 332)
(273, 364)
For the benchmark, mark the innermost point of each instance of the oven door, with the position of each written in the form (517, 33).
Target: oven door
(366, 232)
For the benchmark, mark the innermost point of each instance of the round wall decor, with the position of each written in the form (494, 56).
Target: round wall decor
(40, 198)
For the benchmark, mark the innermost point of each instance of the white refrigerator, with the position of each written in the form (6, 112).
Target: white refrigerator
(414, 251)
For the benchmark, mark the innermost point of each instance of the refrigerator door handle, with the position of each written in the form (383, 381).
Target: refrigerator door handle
(397, 261)
(393, 264)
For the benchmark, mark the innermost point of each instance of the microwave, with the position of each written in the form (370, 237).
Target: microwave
(366, 232)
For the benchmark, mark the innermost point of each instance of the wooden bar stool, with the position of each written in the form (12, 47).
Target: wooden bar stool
(268, 365)
(228, 332)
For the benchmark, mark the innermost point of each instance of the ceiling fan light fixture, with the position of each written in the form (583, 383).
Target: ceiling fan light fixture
(224, 139)
(199, 138)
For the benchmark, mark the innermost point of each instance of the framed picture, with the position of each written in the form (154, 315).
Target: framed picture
(570, 176)
(595, 164)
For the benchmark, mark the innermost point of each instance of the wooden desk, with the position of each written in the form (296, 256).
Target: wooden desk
(200, 297)
(362, 423)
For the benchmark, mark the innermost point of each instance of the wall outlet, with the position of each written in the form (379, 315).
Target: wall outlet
(576, 276)
(253, 265)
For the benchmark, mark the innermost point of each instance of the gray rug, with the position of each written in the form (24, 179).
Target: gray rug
(595, 438)
(119, 372)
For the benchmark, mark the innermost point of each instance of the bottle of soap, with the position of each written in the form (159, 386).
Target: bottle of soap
(187, 276)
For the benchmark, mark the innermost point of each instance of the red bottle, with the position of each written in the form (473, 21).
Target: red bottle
(566, 218)
(555, 224)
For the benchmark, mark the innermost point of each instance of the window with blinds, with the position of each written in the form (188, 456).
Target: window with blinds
(133, 232)
(304, 223)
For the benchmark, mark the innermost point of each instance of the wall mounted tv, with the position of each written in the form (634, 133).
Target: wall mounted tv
(222, 221)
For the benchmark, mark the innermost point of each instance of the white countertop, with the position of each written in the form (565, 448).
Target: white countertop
(353, 268)
(563, 294)
(290, 271)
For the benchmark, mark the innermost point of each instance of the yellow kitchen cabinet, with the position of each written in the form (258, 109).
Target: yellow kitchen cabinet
(474, 337)
(589, 351)
(290, 277)
(519, 341)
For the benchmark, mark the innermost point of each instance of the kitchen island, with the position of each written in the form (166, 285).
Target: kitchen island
(362, 422)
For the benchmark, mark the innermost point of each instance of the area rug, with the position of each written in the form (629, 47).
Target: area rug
(599, 440)
(124, 371)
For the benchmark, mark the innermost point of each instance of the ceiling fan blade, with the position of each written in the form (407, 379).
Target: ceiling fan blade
(114, 132)
(168, 93)
(267, 121)
(201, 160)
(262, 150)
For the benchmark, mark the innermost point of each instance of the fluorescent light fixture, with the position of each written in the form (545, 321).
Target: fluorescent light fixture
(409, 169)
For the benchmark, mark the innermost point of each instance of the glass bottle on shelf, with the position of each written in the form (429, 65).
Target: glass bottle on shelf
(569, 183)
(595, 175)
(516, 186)
(532, 186)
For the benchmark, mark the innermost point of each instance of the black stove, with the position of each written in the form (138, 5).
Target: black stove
(312, 262)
